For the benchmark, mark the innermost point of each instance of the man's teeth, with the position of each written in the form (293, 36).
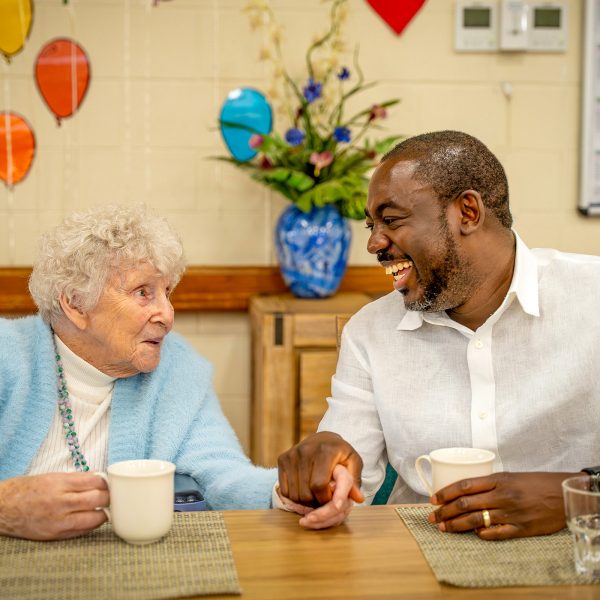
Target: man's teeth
(395, 269)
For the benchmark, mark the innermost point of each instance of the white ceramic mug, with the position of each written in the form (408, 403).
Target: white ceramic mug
(453, 464)
(141, 499)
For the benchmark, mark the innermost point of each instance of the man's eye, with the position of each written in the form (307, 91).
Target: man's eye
(369, 226)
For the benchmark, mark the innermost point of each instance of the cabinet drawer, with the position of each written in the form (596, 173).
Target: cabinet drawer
(314, 331)
(316, 370)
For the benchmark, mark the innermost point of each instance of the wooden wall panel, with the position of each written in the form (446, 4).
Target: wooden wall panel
(206, 289)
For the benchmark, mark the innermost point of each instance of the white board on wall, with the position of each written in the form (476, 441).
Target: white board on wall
(589, 189)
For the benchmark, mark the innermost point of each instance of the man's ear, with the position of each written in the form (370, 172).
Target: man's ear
(471, 211)
(73, 312)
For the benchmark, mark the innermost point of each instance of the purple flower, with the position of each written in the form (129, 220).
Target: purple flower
(294, 136)
(312, 91)
(343, 74)
(341, 134)
(255, 141)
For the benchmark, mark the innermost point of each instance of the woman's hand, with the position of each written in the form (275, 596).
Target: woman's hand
(333, 512)
(338, 508)
(306, 469)
(518, 504)
(53, 506)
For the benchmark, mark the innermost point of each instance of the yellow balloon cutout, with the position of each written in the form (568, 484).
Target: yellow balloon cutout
(15, 25)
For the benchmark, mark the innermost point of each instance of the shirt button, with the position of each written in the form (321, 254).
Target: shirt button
(483, 415)
(478, 344)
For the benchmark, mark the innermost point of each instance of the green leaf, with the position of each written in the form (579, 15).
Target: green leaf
(300, 181)
(385, 145)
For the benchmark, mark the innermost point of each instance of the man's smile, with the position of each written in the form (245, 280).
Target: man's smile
(400, 271)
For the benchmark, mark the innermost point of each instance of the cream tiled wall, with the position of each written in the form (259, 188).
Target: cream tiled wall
(148, 124)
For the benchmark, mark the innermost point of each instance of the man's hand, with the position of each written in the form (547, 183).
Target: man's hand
(53, 506)
(519, 505)
(307, 469)
(330, 514)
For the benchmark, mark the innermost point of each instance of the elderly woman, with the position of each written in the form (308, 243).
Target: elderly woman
(96, 378)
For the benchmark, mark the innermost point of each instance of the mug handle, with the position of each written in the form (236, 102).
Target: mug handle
(421, 474)
(104, 508)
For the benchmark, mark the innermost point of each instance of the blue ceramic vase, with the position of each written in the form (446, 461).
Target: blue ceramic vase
(312, 249)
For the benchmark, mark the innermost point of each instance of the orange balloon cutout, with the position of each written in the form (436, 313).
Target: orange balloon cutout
(62, 74)
(15, 25)
(17, 148)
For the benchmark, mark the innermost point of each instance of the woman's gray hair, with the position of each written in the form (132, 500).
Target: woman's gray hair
(77, 257)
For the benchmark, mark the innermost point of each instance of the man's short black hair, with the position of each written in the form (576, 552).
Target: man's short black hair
(452, 162)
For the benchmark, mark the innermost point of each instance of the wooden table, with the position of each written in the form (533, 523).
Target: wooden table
(371, 556)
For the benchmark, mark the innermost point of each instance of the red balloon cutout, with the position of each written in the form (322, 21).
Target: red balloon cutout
(397, 14)
(17, 147)
(62, 74)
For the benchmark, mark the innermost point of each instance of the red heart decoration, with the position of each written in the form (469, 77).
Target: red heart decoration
(397, 13)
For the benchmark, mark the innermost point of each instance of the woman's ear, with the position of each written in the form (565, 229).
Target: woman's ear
(73, 312)
(471, 210)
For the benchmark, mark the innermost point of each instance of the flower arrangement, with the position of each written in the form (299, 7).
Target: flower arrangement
(324, 156)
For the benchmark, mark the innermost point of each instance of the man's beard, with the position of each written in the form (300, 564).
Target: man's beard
(448, 284)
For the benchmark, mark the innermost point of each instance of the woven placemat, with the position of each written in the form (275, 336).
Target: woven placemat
(464, 560)
(194, 559)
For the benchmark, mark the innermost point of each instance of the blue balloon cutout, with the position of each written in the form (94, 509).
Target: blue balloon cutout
(247, 107)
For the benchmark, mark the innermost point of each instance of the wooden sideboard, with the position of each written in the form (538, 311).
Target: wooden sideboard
(294, 355)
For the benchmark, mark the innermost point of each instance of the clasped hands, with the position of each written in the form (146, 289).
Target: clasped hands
(319, 478)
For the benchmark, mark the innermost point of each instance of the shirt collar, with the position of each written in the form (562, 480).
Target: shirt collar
(525, 279)
(524, 286)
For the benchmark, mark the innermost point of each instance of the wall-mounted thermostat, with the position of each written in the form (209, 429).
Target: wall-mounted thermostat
(511, 25)
(476, 26)
(548, 31)
(533, 25)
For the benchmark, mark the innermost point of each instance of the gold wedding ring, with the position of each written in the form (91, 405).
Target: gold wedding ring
(487, 522)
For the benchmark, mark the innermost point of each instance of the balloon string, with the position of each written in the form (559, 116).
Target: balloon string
(69, 189)
(147, 106)
(10, 225)
(216, 79)
(127, 96)
(9, 170)
(71, 11)
(7, 129)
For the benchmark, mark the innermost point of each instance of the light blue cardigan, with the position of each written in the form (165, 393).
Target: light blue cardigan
(171, 413)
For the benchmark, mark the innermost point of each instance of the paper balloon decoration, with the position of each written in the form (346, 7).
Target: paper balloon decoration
(62, 74)
(15, 25)
(17, 147)
(249, 113)
(397, 13)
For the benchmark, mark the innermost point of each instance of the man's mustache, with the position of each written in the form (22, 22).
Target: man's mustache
(384, 256)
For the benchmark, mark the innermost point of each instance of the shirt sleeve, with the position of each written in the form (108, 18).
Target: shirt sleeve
(352, 413)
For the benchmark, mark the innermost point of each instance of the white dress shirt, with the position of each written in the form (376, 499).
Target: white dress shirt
(90, 393)
(526, 384)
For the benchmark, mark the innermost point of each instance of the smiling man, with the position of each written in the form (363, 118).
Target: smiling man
(482, 343)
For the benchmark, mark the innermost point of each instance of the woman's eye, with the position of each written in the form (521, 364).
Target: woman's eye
(141, 293)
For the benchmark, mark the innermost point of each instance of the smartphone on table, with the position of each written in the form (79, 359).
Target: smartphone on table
(188, 496)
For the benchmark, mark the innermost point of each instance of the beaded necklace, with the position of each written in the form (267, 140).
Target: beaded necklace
(66, 415)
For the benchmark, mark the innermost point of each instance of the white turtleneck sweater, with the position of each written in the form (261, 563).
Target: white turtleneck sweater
(90, 393)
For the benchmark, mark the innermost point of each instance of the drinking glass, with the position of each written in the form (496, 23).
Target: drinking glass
(582, 507)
